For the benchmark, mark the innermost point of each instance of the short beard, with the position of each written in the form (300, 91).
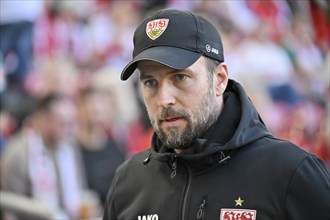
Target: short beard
(200, 119)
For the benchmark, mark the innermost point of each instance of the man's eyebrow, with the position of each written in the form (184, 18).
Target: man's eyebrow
(181, 71)
(187, 70)
(144, 76)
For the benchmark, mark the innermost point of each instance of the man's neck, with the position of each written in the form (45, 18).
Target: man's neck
(184, 151)
(197, 147)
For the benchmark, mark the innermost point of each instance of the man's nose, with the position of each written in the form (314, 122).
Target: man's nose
(166, 95)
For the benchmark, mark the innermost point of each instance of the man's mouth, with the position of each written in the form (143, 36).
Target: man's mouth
(171, 119)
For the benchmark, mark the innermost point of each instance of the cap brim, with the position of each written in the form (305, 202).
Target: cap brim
(173, 57)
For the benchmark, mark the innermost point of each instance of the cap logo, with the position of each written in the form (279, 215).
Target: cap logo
(211, 49)
(208, 48)
(155, 28)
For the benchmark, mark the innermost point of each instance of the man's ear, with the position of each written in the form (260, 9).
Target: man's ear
(221, 78)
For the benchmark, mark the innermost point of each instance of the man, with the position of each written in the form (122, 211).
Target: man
(211, 156)
(40, 162)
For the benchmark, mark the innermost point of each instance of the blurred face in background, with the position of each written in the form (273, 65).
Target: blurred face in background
(58, 121)
(93, 108)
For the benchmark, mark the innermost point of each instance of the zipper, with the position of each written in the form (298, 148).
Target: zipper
(174, 167)
(185, 200)
(201, 210)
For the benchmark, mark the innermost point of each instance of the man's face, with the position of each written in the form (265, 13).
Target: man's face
(181, 104)
(59, 121)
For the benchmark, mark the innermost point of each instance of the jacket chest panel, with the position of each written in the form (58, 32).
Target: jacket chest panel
(184, 194)
(227, 191)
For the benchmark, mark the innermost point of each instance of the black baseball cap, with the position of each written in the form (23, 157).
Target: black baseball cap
(175, 38)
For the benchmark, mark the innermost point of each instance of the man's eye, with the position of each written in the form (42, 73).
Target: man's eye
(180, 77)
(150, 82)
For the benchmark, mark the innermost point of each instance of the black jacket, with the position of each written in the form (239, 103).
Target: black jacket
(240, 172)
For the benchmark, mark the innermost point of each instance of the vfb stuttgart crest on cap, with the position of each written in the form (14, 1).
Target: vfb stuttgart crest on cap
(155, 28)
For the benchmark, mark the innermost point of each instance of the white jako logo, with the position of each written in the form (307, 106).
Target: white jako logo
(148, 217)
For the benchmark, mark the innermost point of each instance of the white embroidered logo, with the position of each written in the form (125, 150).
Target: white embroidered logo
(148, 217)
(211, 49)
(208, 48)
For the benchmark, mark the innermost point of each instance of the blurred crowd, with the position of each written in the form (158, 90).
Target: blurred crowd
(67, 121)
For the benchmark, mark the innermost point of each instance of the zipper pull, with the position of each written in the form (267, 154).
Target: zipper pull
(200, 213)
(147, 160)
(174, 166)
(223, 158)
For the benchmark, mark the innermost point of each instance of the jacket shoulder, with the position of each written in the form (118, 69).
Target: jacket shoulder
(280, 157)
(14, 165)
(284, 150)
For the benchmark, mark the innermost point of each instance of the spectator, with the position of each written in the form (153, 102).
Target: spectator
(123, 112)
(57, 75)
(41, 162)
(17, 19)
(101, 155)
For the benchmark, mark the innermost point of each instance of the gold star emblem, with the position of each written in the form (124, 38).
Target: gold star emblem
(239, 201)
